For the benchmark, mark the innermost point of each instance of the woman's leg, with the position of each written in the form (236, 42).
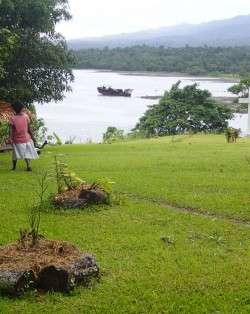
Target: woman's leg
(28, 164)
(14, 162)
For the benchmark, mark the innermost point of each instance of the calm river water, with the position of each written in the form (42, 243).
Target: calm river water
(86, 115)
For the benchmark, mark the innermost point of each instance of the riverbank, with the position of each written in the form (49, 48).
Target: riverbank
(223, 78)
(208, 77)
(230, 102)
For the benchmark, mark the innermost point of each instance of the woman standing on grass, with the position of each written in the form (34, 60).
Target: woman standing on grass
(21, 137)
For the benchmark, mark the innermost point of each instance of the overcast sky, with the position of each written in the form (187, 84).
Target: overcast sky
(104, 17)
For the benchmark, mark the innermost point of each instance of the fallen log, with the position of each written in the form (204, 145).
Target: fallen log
(16, 282)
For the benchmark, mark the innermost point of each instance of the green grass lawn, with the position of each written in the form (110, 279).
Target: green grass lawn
(154, 256)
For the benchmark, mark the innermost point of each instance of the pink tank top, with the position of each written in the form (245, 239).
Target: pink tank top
(20, 126)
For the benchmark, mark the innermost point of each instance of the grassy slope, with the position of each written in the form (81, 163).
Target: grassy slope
(205, 268)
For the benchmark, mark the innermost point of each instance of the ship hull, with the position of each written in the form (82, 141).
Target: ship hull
(114, 92)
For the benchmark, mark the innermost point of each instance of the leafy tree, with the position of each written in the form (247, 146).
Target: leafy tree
(182, 110)
(7, 43)
(242, 88)
(112, 134)
(35, 61)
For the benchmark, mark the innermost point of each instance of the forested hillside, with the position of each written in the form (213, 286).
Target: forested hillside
(224, 33)
(195, 61)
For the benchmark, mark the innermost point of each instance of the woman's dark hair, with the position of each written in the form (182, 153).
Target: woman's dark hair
(17, 106)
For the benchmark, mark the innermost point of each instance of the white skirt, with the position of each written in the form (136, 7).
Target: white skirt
(24, 151)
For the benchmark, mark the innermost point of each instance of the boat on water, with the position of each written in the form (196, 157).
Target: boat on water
(108, 91)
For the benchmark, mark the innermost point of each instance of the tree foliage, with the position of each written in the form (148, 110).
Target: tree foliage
(182, 110)
(35, 61)
(242, 88)
(190, 60)
(7, 43)
(112, 134)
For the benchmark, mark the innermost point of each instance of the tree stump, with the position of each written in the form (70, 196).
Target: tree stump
(49, 266)
(81, 197)
(93, 196)
(85, 269)
(16, 282)
(56, 279)
(65, 278)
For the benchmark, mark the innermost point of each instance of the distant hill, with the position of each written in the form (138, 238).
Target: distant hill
(224, 33)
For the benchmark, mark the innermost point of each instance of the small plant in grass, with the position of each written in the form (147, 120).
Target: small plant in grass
(73, 192)
(71, 140)
(168, 240)
(217, 238)
(65, 178)
(35, 214)
(57, 138)
(248, 160)
(194, 236)
(106, 185)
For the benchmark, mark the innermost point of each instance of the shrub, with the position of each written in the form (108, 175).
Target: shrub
(4, 132)
(112, 134)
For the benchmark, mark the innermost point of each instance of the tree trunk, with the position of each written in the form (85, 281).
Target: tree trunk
(85, 269)
(16, 282)
(58, 279)
(50, 278)
(64, 279)
(93, 196)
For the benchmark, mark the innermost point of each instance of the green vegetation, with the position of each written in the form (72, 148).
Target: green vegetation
(7, 42)
(232, 134)
(180, 243)
(34, 59)
(35, 213)
(242, 88)
(190, 60)
(112, 134)
(183, 110)
(65, 178)
(4, 132)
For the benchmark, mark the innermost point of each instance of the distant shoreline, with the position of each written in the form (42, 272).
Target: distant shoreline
(179, 75)
(223, 79)
(226, 100)
(223, 99)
